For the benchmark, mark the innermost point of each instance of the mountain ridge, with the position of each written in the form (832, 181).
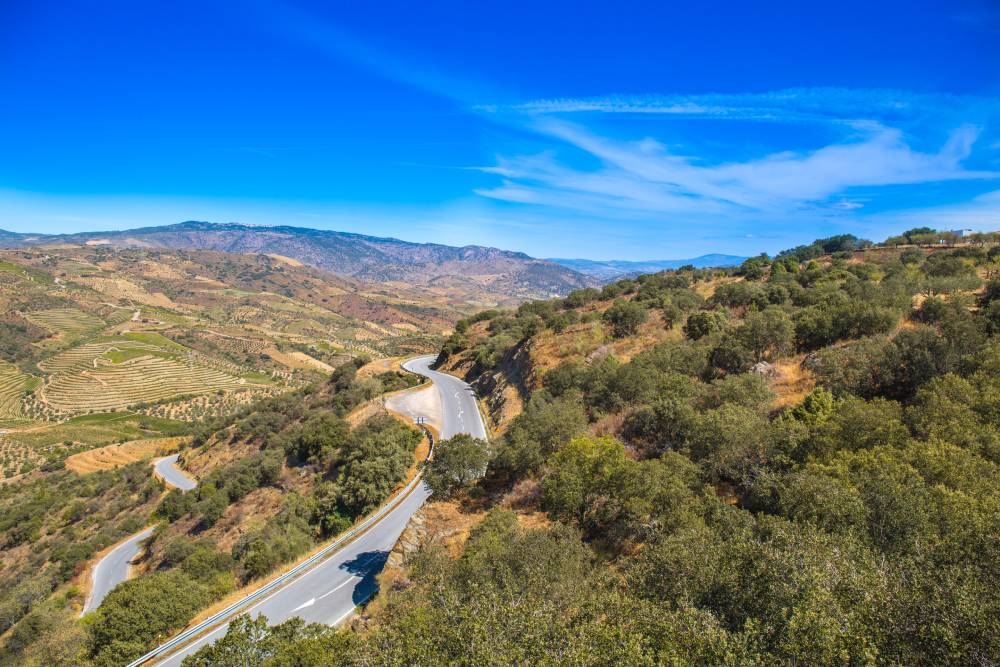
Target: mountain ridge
(367, 258)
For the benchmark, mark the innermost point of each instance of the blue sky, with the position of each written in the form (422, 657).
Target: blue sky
(618, 130)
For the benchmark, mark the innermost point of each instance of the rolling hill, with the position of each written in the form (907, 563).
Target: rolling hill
(366, 258)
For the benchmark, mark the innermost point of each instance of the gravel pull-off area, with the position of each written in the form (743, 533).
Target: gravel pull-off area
(424, 402)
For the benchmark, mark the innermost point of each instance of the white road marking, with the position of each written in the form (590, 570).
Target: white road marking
(331, 592)
(308, 603)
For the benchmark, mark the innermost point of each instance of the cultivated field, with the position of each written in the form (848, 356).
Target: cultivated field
(30, 446)
(204, 406)
(116, 372)
(68, 321)
(174, 338)
(113, 456)
(12, 385)
(142, 379)
(86, 356)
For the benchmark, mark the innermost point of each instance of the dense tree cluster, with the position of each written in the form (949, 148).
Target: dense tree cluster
(16, 337)
(855, 526)
(54, 525)
(68, 518)
(458, 462)
(139, 612)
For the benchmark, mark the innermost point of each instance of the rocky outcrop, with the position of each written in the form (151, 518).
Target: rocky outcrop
(765, 370)
(441, 524)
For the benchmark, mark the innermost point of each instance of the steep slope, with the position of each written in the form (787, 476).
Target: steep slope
(661, 500)
(367, 258)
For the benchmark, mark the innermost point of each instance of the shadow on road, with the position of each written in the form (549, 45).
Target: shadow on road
(367, 565)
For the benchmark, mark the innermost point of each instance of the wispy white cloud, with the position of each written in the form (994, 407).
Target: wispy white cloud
(337, 42)
(793, 104)
(643, 176)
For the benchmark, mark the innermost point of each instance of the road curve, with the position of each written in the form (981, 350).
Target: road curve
(330, 591)
(458, 401)
(113, 569)
(168, 471)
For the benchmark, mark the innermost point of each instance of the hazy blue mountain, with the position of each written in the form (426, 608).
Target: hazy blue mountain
(611, 269)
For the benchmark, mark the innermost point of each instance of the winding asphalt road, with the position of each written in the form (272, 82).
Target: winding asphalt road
(331, 590)
(460, 412)
(168, 471)
(113, 569)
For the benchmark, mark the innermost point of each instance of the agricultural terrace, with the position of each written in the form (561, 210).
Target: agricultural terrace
(67, 321)
(113, 456)
(143, 379)
(116, 372)
(24, 449)
(208, 405)
(12, 385)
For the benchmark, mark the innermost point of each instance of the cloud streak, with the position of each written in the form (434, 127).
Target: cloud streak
(821, 104)
(644, 177)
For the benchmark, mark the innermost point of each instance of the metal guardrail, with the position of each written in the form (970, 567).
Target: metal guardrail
(163, 650)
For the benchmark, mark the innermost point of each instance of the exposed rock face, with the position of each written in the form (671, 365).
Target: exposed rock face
(441, 524)
(414, 536)
(598, 355)
(765, 370)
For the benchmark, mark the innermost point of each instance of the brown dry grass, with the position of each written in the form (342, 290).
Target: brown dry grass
(610, 425)
(291, 360)
(378, 366)
(578, 342)
(113, 456)
(707, 289)
(365, 411)
(239, 518)
(285, 260)
(215, 453)
(793, 382)
(448, 524)
(316, 364)
(534, 520)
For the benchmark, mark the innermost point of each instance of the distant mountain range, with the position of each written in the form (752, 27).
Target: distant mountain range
(514, 275)
(613, 269)
(366, 258)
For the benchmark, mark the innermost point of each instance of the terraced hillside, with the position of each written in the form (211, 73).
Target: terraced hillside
(13, 383)
(140, 379)
(70, 323)
(117, 372)
(114, 456)
(177, 338)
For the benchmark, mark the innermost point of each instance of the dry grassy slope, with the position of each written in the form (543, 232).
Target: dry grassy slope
(250, 511)
(113, 456)
(521, 370)
(505, 390)
(523, 367)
